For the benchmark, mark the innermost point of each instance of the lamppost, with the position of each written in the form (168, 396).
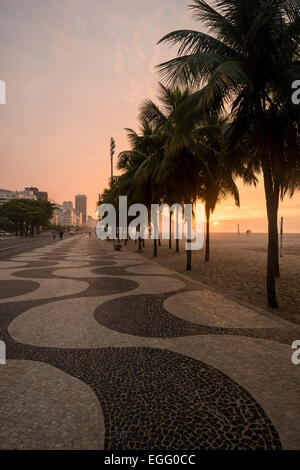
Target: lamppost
(112, 151)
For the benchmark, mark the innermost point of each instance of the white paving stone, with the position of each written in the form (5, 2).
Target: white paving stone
(44, 408)
(11, 264)
(51, 288)
(209, 308)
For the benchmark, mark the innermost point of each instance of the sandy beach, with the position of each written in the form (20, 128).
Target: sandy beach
(237, 269)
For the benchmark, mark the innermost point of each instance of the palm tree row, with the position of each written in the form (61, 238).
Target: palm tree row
(225, 111)
(155, 170)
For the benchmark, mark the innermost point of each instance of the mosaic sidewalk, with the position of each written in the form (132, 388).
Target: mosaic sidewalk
(106, 350)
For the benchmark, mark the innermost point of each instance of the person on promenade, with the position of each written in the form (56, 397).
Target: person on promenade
(61, 235)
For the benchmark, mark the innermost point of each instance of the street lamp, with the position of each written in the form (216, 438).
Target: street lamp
(112, 151)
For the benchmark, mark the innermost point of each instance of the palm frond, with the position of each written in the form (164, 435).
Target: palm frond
(217, 24)
(189, 70)
(195, 42)
(151, 113)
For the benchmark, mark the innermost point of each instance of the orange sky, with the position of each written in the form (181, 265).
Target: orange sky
(76, 72)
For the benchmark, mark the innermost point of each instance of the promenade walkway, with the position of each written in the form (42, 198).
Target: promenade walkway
(107, 350)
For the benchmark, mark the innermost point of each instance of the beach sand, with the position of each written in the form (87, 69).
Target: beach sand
(237, 269)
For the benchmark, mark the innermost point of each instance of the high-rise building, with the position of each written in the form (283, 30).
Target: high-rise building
(33, 190)
(68, 205)
(7, 195)
(64, 217)
(38, 194)
(68, 218)
(80, 207)
(42, 195)
(60, 216)
(26, 194)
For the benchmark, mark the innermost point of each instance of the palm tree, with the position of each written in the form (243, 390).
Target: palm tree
(199, 153)
(140, 166)
(176, 171)
(217, 176)
(251, 52)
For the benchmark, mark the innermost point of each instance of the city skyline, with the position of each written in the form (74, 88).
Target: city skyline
(227, 216)
(65, 213)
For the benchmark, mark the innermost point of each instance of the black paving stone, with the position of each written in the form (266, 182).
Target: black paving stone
(144, 315)
(160, 400)
(42, 273)
(108, 286)
(13, 288)
(40, 264)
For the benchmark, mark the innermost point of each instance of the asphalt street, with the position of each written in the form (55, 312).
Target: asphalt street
(12, 246)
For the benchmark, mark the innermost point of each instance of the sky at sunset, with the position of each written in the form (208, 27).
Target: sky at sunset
(76, 72)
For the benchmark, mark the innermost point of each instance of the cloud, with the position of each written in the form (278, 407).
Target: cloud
(61, 42)
(68, 26)
(80, 24)
(138, 46)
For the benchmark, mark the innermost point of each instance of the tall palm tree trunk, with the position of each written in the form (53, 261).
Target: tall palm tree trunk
(272, 269)
(155, 248)
(189, 258)
(176, 231)
(277, 270)
(272, 199)
(207, 240)
(189, 252)
(170, 231)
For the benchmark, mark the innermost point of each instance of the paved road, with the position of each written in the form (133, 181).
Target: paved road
(13, 246)
(109, 350)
